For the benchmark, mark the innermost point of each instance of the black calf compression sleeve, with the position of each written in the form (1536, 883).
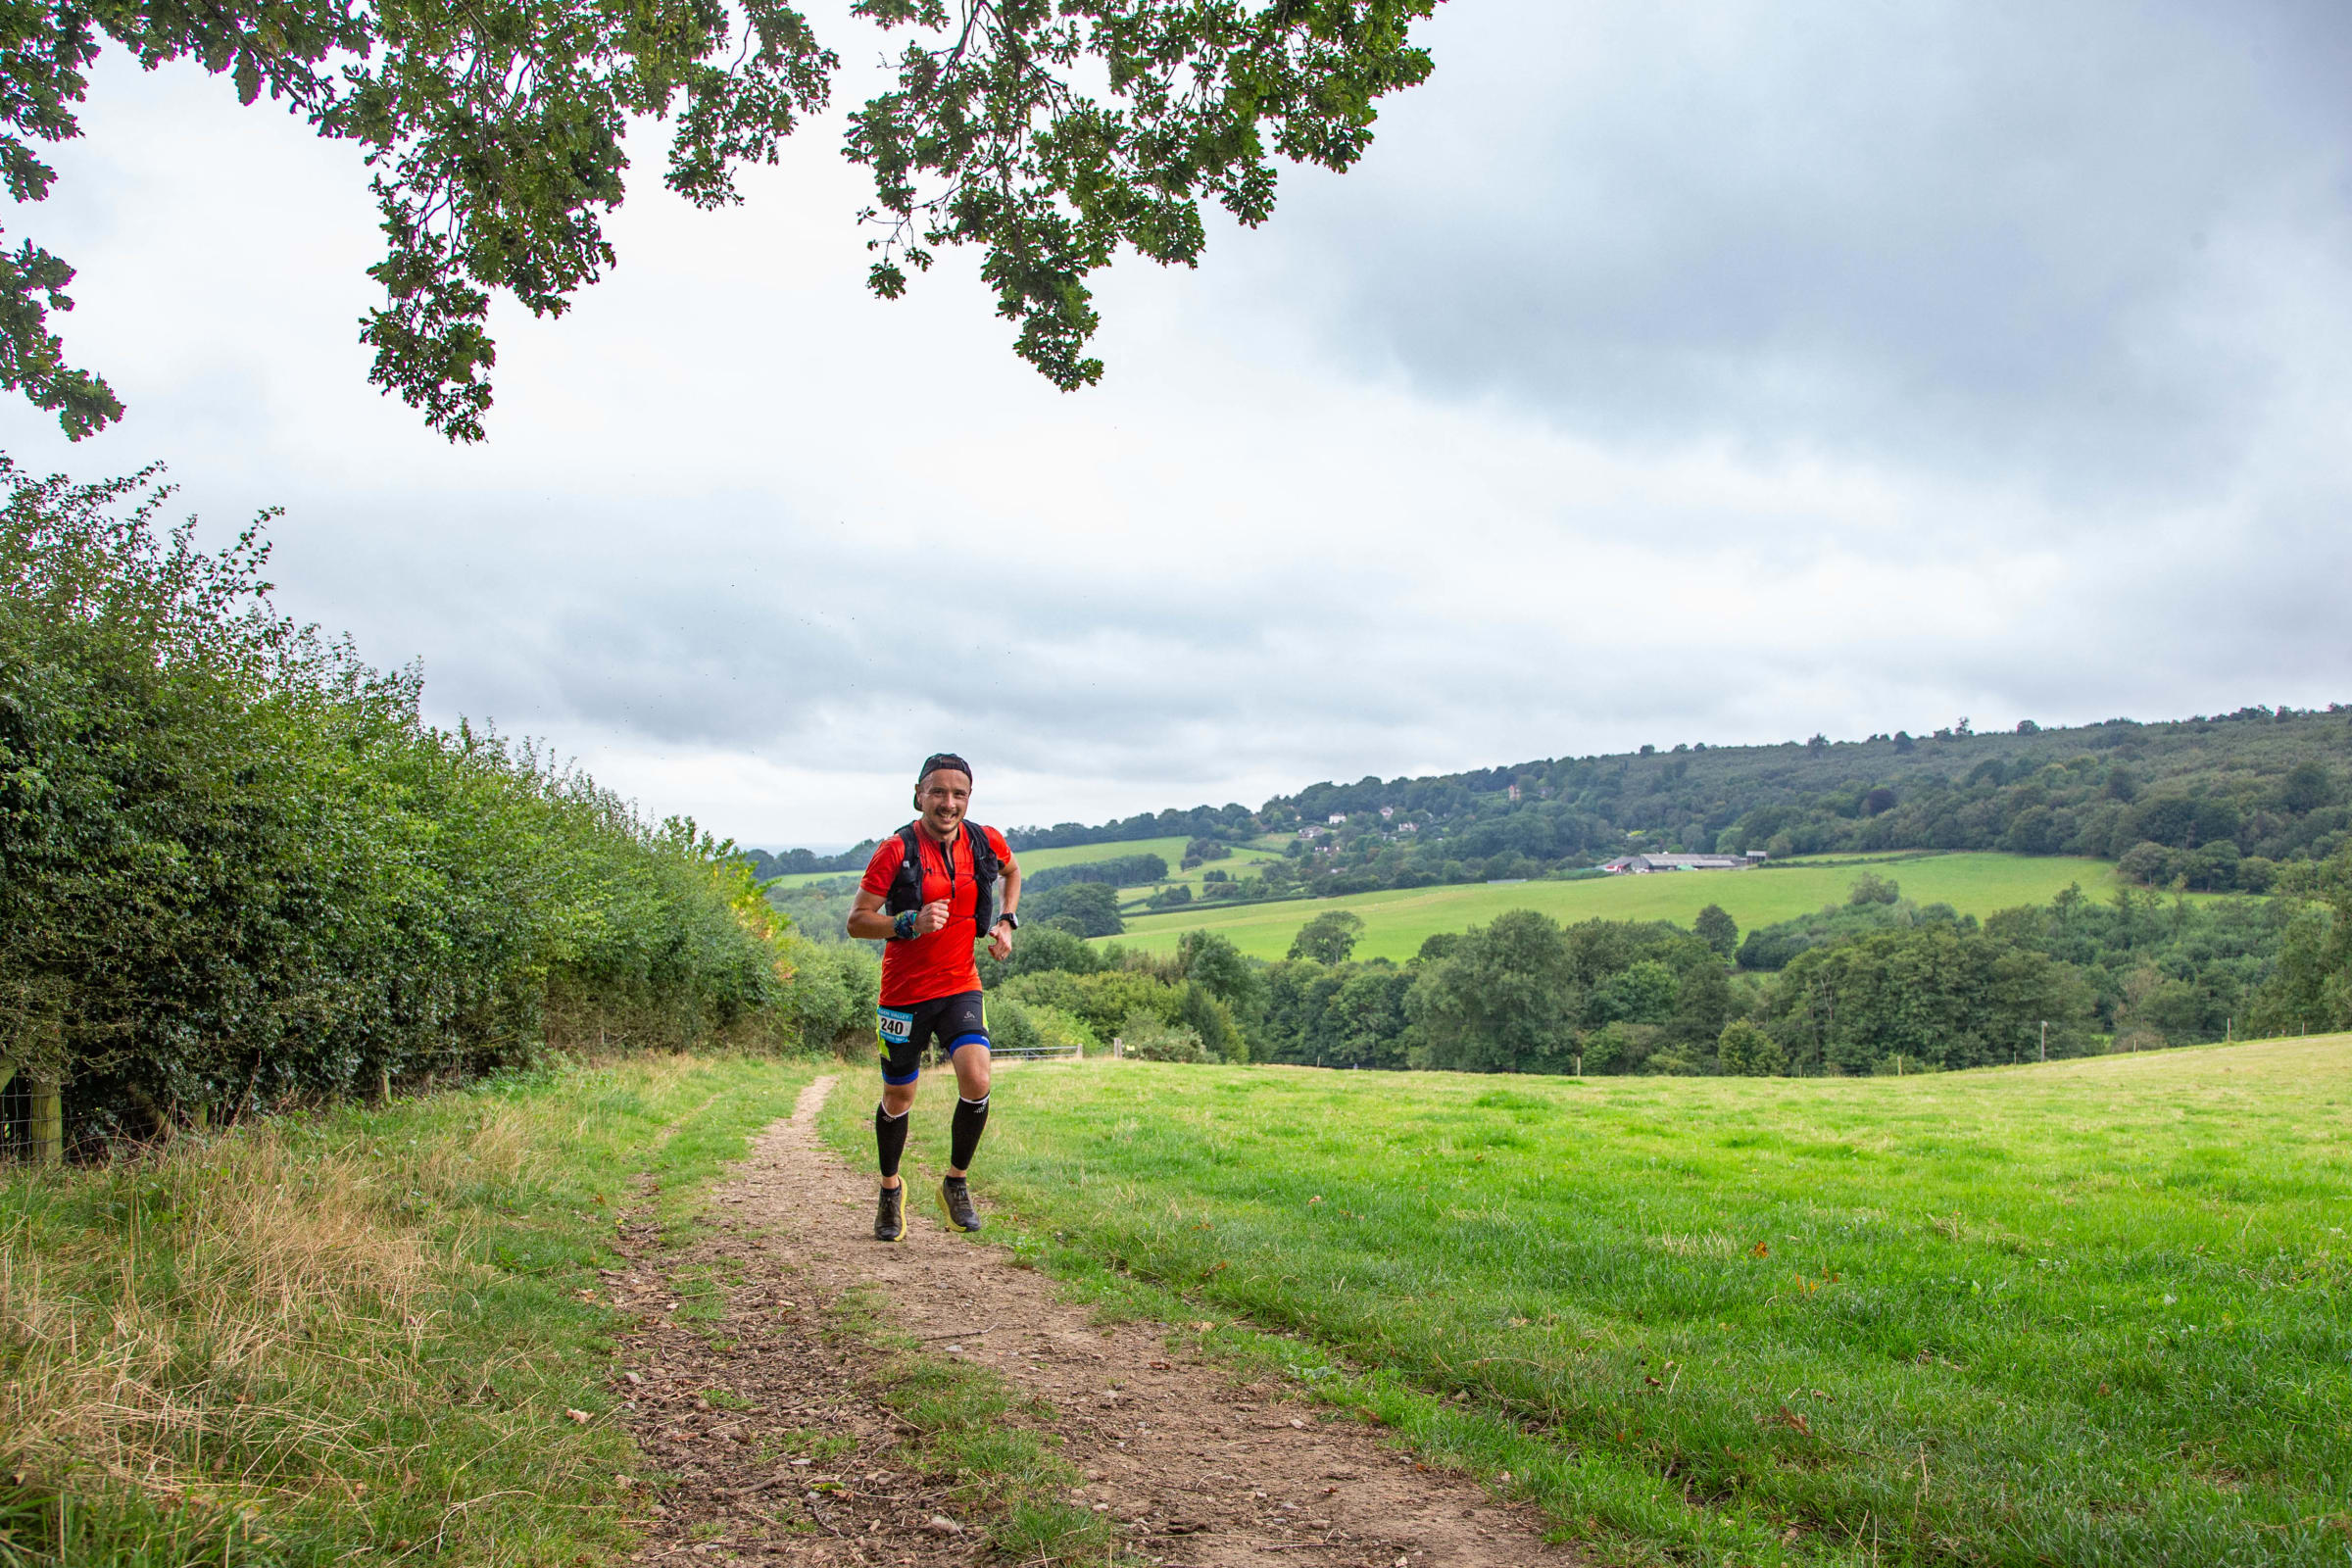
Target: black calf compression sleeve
(964, 1133)
(890, 1138)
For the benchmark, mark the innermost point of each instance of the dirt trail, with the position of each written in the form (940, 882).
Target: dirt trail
(1200, 1468)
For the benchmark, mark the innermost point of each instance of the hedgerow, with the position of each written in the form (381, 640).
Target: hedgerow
(241, 868)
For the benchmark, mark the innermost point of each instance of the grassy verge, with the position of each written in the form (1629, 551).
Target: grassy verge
(2097, 1312)
(373, 1335)
(969, 1432)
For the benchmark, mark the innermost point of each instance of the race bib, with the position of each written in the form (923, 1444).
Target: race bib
(897, 1026)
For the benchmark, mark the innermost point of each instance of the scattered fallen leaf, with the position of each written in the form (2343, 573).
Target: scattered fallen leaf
(579, 1416)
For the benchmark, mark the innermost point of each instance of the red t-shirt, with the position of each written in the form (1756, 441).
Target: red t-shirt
(943, 963)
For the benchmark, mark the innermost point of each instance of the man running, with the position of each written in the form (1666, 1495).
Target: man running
(931, 892)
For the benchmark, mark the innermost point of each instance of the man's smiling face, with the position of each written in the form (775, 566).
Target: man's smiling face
(942, 798)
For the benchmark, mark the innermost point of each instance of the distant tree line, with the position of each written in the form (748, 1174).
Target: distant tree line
(803, 863)
(1122, 871)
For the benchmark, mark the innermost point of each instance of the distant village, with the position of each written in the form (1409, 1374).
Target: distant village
(1388, 817)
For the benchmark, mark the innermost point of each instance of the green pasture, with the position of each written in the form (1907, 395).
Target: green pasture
(1170, 850)
(2092, 1312)
(1395, 922)
(801, 879)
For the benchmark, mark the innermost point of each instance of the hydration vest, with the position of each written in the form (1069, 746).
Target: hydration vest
(906, 888)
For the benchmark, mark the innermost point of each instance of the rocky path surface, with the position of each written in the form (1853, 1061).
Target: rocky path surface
(781, 1448)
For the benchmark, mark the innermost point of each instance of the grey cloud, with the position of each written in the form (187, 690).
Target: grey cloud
(570, 617)
(1954, 235)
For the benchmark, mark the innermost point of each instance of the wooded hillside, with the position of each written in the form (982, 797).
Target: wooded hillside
(2215, 803)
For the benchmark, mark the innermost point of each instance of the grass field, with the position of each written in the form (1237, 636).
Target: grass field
(1395, 922)
(1170, 850)
(2092, 1312)
(355, 1336)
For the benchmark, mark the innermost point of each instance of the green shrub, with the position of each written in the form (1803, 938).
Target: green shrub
(1747, 1051)
(1009, 1026)
(1150, 1037)
(240, 868)
(1059, 1029)
(833, 988)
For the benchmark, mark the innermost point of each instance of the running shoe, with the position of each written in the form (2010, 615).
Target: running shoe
(956, 1196)
(890, 1215)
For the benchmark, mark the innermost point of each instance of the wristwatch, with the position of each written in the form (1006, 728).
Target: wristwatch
(1009, 918)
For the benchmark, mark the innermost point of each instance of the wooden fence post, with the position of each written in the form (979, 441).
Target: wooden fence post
(48, 1119)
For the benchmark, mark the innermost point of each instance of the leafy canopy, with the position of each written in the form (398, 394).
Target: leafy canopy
(1046, 133)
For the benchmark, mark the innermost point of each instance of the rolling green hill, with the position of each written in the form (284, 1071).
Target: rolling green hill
(2219, 804)
(1397, 921)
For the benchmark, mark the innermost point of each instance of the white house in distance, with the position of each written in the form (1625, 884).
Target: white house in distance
(1641, 865)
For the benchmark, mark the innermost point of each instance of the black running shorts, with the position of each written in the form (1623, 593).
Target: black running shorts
(903, 1031)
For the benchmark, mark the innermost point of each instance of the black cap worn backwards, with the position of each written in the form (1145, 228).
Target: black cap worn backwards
(939, 760)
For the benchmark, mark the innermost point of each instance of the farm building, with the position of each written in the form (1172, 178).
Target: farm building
(1639, 865)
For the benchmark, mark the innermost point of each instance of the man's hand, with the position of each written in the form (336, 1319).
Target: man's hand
(999, 941)
(934, 917)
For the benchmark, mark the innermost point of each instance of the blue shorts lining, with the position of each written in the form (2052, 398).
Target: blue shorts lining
(897, 1082)
(960, 1041)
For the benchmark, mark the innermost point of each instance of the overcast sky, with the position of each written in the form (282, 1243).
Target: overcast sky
(1666, 372)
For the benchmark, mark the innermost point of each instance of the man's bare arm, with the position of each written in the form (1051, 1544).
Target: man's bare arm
(866, 918)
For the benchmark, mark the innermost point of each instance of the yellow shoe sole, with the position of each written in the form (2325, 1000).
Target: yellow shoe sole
(950, 1215)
